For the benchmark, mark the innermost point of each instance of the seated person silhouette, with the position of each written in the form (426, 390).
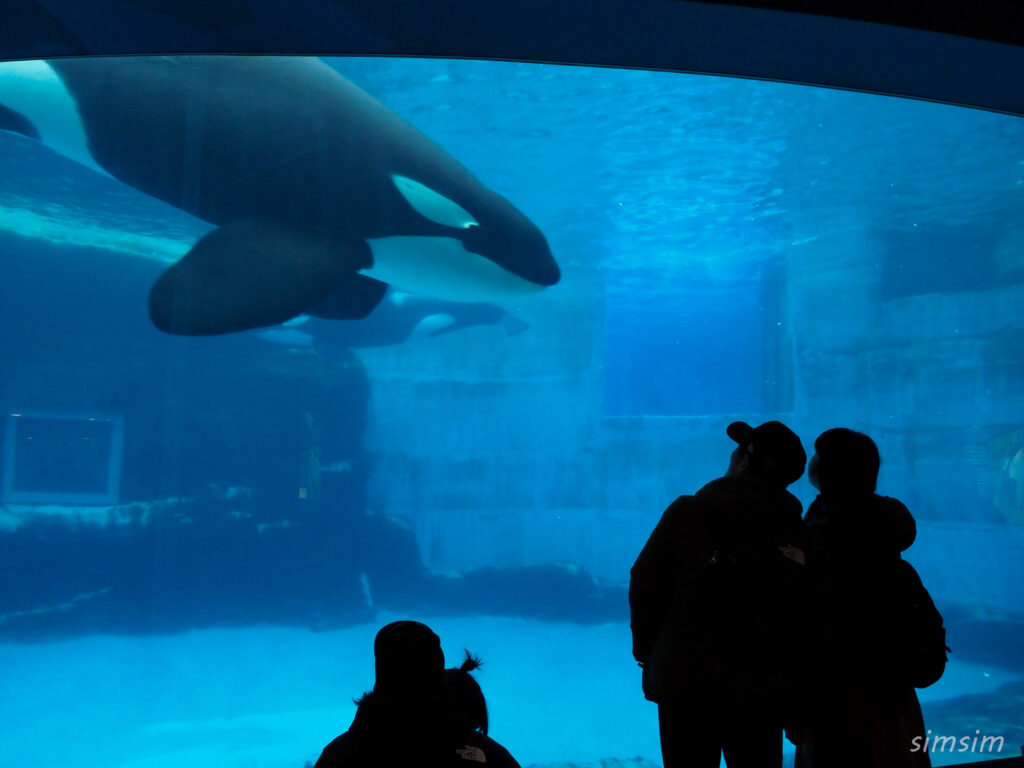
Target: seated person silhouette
(462, 688)
(407, 720)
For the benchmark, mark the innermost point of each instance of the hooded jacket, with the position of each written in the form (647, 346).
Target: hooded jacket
(869, 714)
(862, 531)
(863, 539)
(684, 660)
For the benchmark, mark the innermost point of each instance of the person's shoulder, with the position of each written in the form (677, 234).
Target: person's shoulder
(895, 523)
(685, 513)
(892, 507)
(680, 505)
(683, 500)
(336, 753)
(792, 508)
(494, 755)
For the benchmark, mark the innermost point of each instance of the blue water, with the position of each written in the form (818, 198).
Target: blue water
(729, 249)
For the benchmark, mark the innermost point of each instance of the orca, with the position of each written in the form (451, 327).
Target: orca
(320, 196)
(398, 318)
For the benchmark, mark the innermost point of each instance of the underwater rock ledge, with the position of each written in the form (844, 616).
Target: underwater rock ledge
(224, 560)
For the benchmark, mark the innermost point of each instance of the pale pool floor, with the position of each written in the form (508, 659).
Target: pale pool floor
(273, 697)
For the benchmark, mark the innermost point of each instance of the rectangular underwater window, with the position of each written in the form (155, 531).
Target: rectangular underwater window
(710, 348)
(939, 258)
(62, 458)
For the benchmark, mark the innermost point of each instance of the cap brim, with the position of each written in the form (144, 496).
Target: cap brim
(739, 431)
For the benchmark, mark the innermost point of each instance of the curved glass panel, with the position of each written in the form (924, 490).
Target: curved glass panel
(446, 351)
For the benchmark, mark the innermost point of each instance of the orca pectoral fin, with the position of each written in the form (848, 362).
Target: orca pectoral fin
(16, 122)
(354, 299)
(250, 274)
(513, 325)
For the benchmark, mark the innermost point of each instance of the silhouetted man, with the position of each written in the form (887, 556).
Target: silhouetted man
(719, 602)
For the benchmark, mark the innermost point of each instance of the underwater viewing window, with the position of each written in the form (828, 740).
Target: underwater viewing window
(341, 340)
(62, 458)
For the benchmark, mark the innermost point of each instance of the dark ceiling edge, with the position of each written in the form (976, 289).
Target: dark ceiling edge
(732, 39)
(999, 21)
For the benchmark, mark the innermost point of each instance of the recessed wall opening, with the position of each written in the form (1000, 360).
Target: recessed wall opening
(62, 458)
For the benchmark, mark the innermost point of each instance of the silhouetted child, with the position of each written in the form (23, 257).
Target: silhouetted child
(459, 685)
(408, 719)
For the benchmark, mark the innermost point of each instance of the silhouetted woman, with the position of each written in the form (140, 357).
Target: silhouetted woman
(869, 713)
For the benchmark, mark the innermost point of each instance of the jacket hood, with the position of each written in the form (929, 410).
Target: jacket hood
(876, 525)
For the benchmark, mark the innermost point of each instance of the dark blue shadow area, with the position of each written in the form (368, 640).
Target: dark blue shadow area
(243, 498)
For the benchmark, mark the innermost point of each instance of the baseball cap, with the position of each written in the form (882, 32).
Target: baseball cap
(773, 447)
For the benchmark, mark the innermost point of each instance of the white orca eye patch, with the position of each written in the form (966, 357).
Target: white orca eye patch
(433, 205)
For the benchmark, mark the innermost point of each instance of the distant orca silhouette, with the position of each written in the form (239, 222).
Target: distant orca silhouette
(398, 318)
(321, 195)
